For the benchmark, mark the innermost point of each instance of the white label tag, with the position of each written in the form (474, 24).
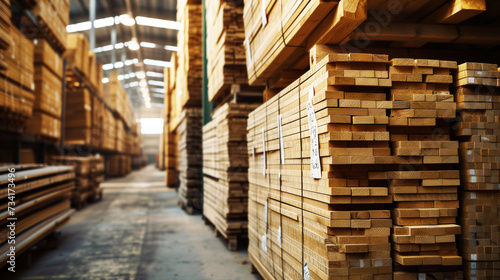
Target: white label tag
(311, 92)
(479, 73)
(473, 195)
(473, 265)
(264, 149)
(473, 179)
(473, 257)
(264, 16)
(313, 131)
(361, 263)
(471, 80)
(306, 272)
(472, 172)
(264, 242)
(421, 276)
(265, 213)
(279, 174)
(282, 146)
(279, 236)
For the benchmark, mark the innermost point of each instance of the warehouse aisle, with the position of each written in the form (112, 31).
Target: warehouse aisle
(138, 232)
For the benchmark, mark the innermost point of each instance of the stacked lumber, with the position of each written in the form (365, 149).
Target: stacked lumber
(41, 203)
(225, 164)
(89, 173)
(121, 136)
(53, 15)
(97, 123)
(226, 64)
(108, 139)
(16, 88)
(355, 136)
(78, 117)
(77, 52)
(190, 160)
(478, 101)
(171, 120)
(117, 165)
(5, 37)
(117, 98)
(189, 72)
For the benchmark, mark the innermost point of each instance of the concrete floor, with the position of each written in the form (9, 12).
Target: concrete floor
(136, 232)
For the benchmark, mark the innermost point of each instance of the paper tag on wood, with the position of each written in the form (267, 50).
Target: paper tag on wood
(264, 149)
(313, 131)
(264, 242)
(471, 80)
(306, 272)
(264, 16)
(265, 213)
(279, 236)
(282, 146)
(311, 92)
(421, 276)
(473, 195)
(473, 257)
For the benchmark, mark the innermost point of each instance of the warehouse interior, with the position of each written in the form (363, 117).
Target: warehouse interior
(250, 139)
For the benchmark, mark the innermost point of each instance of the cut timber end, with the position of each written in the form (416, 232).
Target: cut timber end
(456, 11)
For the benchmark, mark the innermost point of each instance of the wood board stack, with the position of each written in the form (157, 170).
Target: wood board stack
(337, 227)
(225, 164)
(16, 89)
(78, 117)
(478, 99)
(108, 139)
(189, 72)
(117, 165)
(425, 197)
(190, 160)
(42, 204)
(226, 64)
(113, 93)
(5, 16)
(121, 136)
(171, 118)
(53, 15)
(77, 52)
(97, 123)
(89, 173)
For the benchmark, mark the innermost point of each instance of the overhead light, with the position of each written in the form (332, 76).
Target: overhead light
(133, 84)
(172, 48)
(127, 20)
(154, 74)
(143, 83)
(159, 90)
(105, 80)
(141, 75)
(160, 23)
(119, 64)
(148, 45)
(157, 63)
(133, 45)
(156, 83)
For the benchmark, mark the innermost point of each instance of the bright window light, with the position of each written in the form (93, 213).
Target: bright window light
(108, 66)
(172, 48)
(160, 23)
(118, 64)
(105, 80)
(156, 83)
(151, 125)
(133, 45)
(148, 45)
(157, 63)
(154, 74)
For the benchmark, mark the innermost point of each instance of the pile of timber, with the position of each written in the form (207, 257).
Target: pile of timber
(78, 117)
(225, 164)
(189, 72)
(226, 62)
(169, 136)
(5, 37)
(97, 131)
(16, 89)
(108, 139)
(41, 201)
(117, 165)
(333, 153)
(89, 173)
(279, 34)
(53, 15)
(478, 129)
(190, 160)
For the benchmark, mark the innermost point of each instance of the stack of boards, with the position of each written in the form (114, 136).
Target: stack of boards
(190, 173)
(78, 121)
(225, 164)
(42, 203)
(478, 130)
(225, 51)
(16, 88)
(117, 165)
(333, 153)
(89, 173)
(189, 72)
(53, 15)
